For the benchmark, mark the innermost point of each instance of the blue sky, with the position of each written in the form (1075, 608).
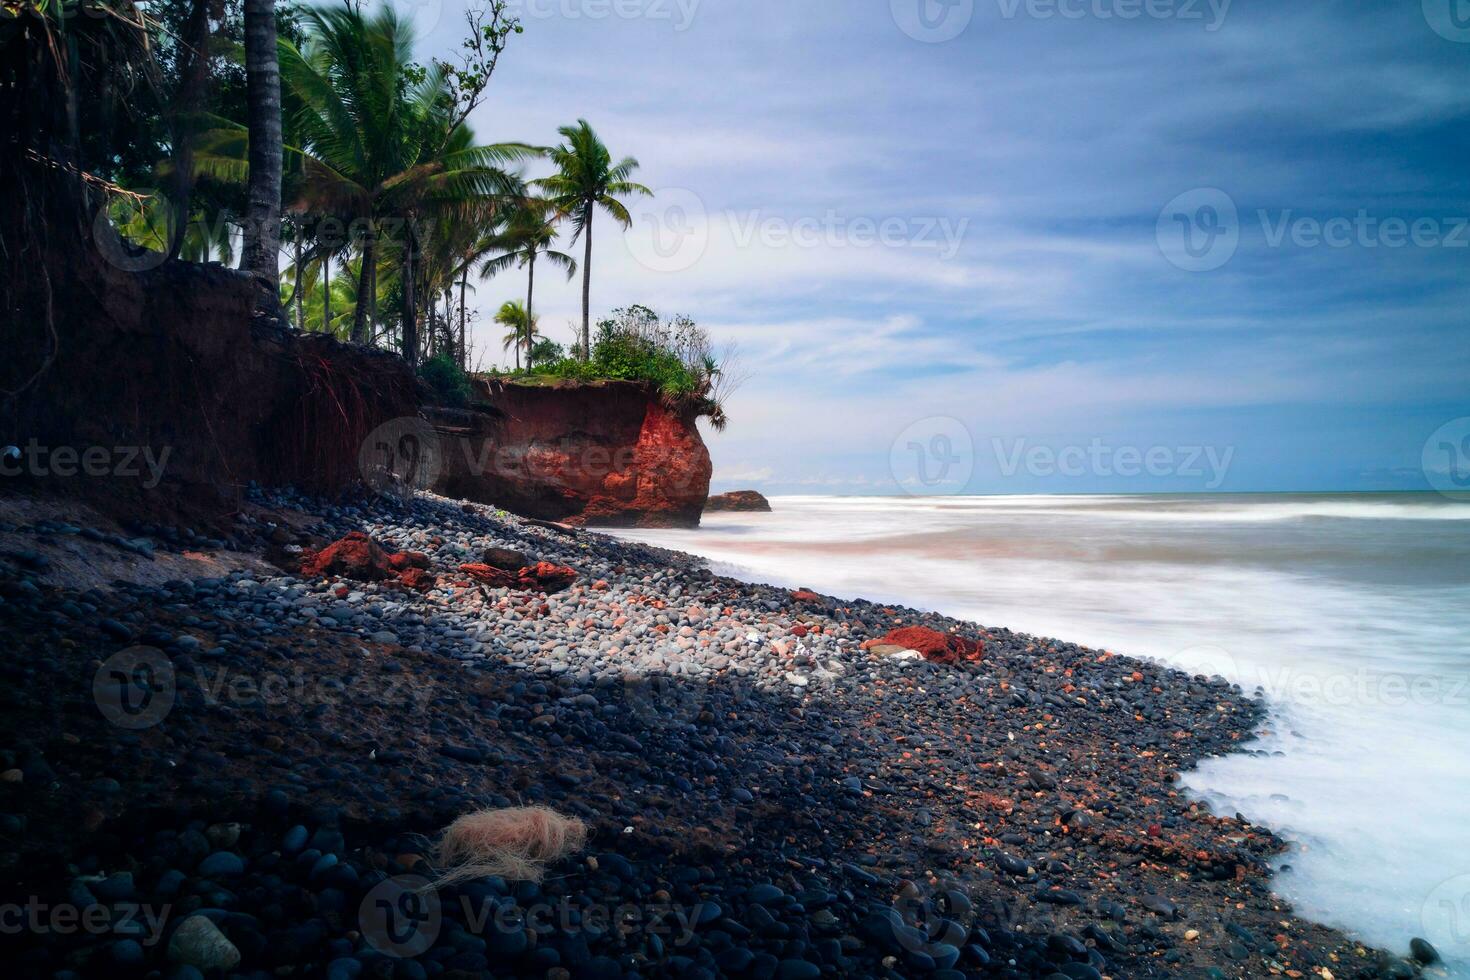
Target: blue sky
(961, 264)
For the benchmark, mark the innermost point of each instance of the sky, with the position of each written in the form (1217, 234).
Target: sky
(1017, 246)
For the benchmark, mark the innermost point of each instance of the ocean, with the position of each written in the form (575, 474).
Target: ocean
(1350, 613)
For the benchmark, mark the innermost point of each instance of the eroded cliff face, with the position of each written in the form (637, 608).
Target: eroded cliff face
(155, 392)
(162, 394)
(605, 453)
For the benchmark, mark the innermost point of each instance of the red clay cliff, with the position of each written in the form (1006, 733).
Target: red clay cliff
(607, 453)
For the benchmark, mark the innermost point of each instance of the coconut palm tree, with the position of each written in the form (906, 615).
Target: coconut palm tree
(522, 328)
(260, 254)
(382, 145)
(587, 179)
(527, 236)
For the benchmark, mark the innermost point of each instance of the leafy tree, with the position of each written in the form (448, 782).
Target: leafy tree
(521, 328)
(527, 237)
(586, 180)
(384, 144)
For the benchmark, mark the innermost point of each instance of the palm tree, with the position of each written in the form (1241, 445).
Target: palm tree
(522, 328)
(382, 145)
(262, 244)
(587, 179)
(527, 236)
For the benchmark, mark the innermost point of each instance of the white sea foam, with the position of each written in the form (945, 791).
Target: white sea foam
(1351, 613)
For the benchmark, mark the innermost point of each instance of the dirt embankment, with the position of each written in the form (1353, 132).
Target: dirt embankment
(161, 394)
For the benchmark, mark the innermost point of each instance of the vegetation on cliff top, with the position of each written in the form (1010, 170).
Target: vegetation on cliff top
(673, 357)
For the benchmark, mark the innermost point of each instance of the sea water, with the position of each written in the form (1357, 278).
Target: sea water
(1350, 613)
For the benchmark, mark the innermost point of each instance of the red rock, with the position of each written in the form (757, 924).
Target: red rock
(805, 595)
(505, 558)
(742, 500)
(407, 559)
(418, 579)
(548, 577)
(544, 576)
(496, 578)
(355, 556)
(941, 648)
(798, 630)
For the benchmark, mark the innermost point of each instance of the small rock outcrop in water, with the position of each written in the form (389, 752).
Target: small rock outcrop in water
(605, 453)
(746, 500)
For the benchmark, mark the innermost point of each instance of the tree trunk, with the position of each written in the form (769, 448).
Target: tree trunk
(373, 300)
(300, 287)
(366, 287)
(587, 289)
(261, 253)
(464, 278)
(432, 336)
(326, 292)
(409, 341)
(530, 319)
(191, 96)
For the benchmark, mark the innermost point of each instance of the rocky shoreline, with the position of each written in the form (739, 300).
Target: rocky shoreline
(240, 773)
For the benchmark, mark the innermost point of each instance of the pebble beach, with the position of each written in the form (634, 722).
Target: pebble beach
(770, 790)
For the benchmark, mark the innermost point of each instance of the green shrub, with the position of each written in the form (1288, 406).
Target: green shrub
(546, 351)
(443, 374)
(633, 344)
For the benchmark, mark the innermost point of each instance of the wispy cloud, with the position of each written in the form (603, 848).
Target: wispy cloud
(1050, 149)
